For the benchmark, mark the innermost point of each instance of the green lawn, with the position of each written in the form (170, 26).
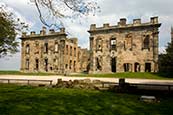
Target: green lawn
(141, 75)
(21, 73)
(25, 100)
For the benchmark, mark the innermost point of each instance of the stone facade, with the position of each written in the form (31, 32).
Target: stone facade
(50, 52)
(124, 47)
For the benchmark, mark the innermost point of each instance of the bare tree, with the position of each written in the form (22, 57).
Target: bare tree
(58, 10)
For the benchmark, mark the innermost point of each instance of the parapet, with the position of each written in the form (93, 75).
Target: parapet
(154, 20)
(93, 27)
(123, 24)
(44, 33)
(136, 21)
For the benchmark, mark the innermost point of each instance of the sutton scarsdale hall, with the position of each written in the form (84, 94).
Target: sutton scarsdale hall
(120, 48)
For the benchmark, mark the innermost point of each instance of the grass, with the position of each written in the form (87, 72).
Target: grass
(140, 75)
(19, 100)
(22, 73)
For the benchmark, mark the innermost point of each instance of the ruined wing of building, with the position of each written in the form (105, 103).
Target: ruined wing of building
(120, 48)
(124, 47)
(52, 52)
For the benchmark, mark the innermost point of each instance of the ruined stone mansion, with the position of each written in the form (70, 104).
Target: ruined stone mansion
(119, 48)
(52, 52)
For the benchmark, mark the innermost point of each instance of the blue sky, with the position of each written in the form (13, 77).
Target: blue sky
(111, 12)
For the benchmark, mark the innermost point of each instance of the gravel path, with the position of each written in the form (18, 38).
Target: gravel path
(66, 78)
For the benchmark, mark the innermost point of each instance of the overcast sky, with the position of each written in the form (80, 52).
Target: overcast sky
(111, 12)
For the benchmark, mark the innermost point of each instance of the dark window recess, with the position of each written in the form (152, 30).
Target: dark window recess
(66, 66)
(127, 67)
(46, 65)
(36, 64)
(71, 51)
(113, 64)
(66, 49)
(70, 64)
(46, 48)
(27, 64)
(137, 67)
(146, 43)
(75, 52)
(74, 65)
(147, 67)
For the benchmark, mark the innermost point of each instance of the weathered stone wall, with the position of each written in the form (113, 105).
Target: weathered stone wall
(52, 52)
(125, 47)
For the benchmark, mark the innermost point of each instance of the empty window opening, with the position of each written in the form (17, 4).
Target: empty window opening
(46, 48)
(66, 49)
(137, 67)
(113, 43)
(27, 64)
(66, 66)
(74, 65)
(128, 42)
(27, 49)
(36, 64)
(146, 42)
(70, 64)
(127, 67)
(75, 52)
(56, 47)
(98, 63)
(147, 67)
(46, 64)
(99, 44)
(113, 64)
(70, 50)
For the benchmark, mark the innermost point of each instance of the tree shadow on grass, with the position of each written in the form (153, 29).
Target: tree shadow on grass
(28, 100)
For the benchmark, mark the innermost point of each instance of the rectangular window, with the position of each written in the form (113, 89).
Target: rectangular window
(75, 52)
(45, 47)
(70, 66)
(27, 64)
(147, 67)
(27, 49)
(36, 64)
(36, 47)
(127, 67)
(113, 43)
(46, 65)
(56, 47)
(70, 50)
(66, 49)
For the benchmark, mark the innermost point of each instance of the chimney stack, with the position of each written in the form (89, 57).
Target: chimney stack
(43, 31)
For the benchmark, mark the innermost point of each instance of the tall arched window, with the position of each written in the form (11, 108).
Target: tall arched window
(99, 44)
(146, 42)
(56, 47)
(128, 42)
(27, 49)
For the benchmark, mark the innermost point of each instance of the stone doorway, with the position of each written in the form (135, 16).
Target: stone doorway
(137, 67)
(147, 67)
(113, 64)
